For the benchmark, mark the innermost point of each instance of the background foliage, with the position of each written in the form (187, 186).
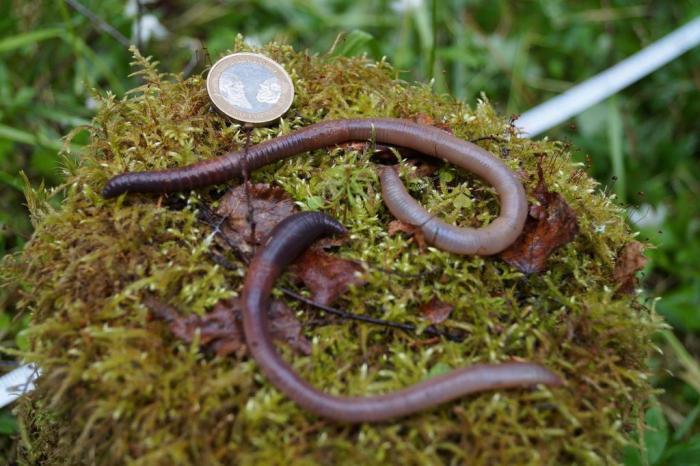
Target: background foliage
(643, 143)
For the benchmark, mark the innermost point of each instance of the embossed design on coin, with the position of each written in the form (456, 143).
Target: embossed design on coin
(250, 88)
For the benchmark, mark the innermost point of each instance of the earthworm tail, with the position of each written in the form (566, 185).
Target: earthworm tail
(287, 241)
(429, 140)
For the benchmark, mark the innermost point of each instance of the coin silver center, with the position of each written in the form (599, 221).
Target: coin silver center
(250, 87)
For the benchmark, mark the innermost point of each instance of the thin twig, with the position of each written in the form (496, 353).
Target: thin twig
(487, 138)
(138, 24)
(222, 261)
(195, 47)
(209, 217)
(430, 330)
(214, 221)
(250, 216)
(99, 23)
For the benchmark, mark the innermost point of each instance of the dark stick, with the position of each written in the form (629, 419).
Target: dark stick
(210, 218)
(138, 24)
(250, 216)
(431, 330)
(99, 22)
(487, 138)
(196, 49)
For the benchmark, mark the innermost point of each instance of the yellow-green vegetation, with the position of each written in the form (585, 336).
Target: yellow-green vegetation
(119, 388)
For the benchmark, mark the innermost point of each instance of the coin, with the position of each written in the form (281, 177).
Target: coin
(250, 88)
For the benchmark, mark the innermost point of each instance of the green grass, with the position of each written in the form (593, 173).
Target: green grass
(642, 144)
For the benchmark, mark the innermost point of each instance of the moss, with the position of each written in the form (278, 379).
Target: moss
(118, 388)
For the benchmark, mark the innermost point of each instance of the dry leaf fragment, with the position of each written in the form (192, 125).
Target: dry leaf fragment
(424, 166)
(327, 276)
(270, 205)
(359, 146)
(550, 225)
(397, 226)
(221, 330)
(425, 119)
(630, 260)
(284, 326)
(436, 311)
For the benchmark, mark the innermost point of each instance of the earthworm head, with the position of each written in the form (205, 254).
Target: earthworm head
(293, 235)
(112, 188)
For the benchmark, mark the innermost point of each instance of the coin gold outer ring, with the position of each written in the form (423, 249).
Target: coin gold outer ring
(255, 118)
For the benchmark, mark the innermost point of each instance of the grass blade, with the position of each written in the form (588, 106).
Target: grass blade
(21, 40)
(615, 137)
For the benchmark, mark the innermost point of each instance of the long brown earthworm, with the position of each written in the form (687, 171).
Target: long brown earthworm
(287, 241)
(429, 140)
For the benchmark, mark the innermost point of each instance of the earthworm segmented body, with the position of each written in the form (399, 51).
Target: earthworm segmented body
(429, 140)
(287, 241)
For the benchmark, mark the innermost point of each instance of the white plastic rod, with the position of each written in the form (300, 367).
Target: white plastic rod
(596, 89)
(17, 383)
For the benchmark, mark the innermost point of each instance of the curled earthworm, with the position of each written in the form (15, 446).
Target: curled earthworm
(287, 241)
(429, 140)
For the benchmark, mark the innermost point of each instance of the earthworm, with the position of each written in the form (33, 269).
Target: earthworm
(286, 242)
(429, 140)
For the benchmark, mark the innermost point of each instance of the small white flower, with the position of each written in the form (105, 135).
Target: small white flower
(648, 216)
(91, 103)
(403, 6)
(252, 41)
(149, 27)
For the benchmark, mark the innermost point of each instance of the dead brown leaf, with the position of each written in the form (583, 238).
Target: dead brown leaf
(397, 226)
(425, 119)
(326, 276)
(436, 311)
(270, 205)
(221, 330)
(630, 260)
(358, 146)
(550, 225)
(425, 166)
(284, 326)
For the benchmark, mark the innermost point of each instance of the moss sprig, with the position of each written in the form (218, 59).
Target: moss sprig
(119, 388)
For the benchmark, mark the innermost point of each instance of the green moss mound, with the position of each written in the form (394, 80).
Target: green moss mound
(119, 388)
